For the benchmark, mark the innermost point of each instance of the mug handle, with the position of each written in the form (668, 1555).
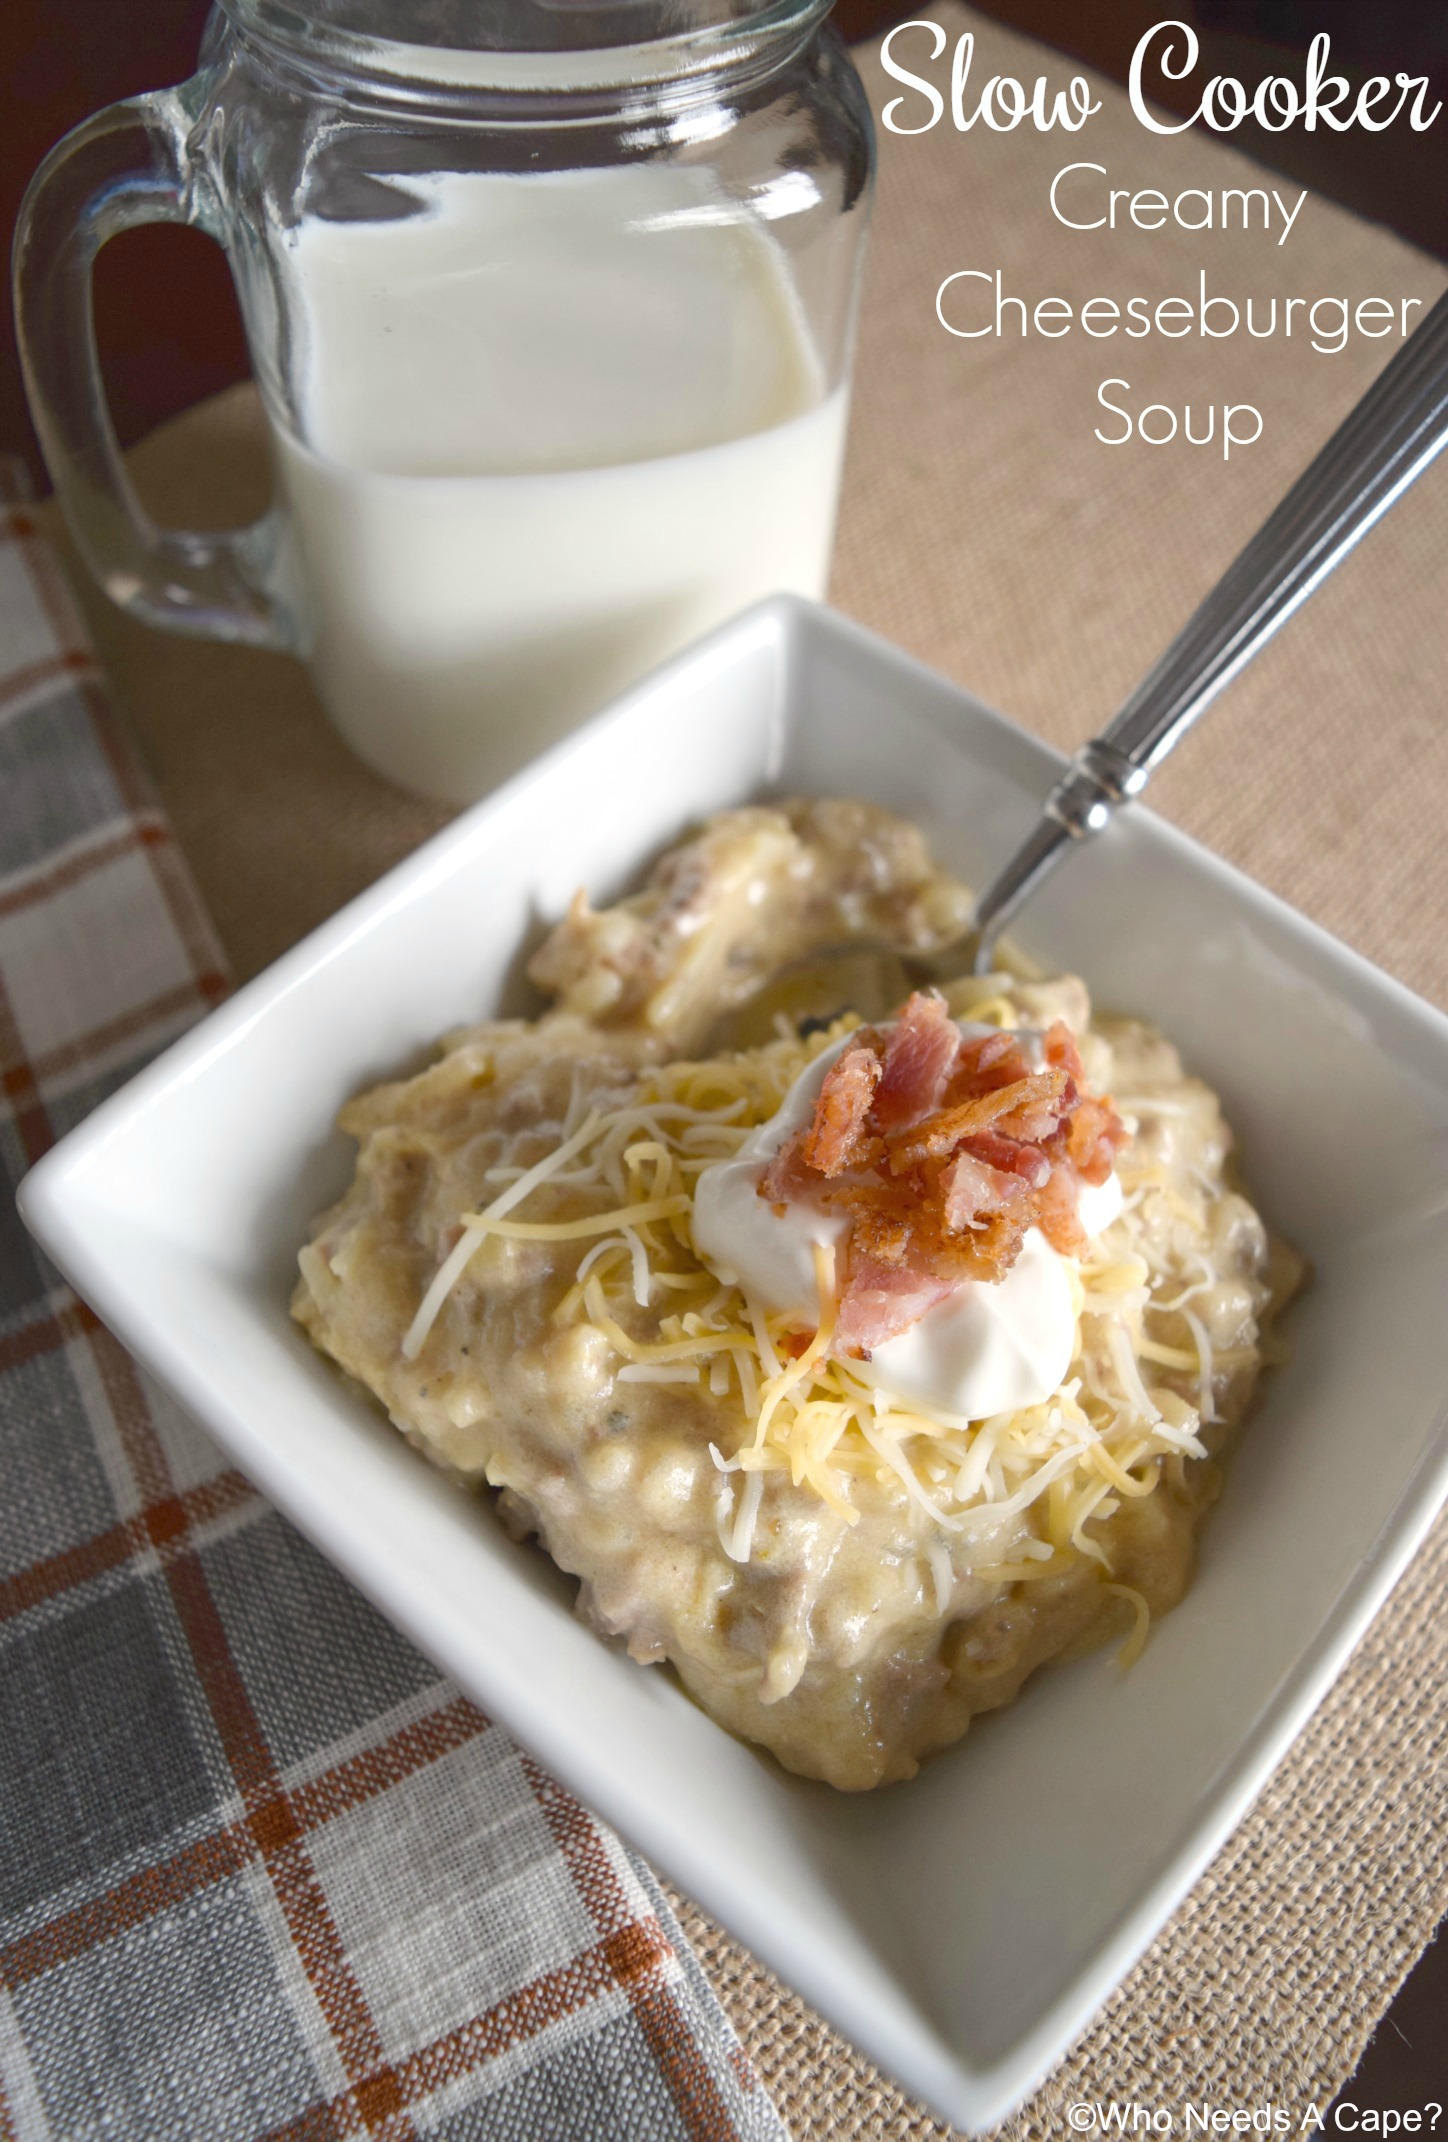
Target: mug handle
(127, 165)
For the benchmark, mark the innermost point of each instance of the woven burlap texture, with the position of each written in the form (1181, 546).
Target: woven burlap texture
(988, 530)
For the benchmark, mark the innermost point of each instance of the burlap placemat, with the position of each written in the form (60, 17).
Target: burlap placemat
(989, 531)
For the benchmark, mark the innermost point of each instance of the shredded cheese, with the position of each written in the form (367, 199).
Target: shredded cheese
(804, 1417)
(1135, 1644)
(453, 1266)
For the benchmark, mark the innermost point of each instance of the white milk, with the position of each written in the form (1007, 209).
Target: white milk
(556, 428)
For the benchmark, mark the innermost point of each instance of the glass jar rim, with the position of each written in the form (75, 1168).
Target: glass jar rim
(573, 51)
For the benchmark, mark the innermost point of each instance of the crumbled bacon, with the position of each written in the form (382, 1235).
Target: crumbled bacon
(984, 1062)
(942, 1152)
(881, 1300)
(789, 1178)
(1025, 1110)
(1056, 1213)
(975, 1189)
(1011, 1155)
(1061, 1050)
(1094, 1137)
(841, 1109)
(920, 1053)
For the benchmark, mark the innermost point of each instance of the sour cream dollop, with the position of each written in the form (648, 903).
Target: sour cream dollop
(987, 1348)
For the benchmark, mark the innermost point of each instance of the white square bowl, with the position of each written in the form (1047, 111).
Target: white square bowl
(963, 1928)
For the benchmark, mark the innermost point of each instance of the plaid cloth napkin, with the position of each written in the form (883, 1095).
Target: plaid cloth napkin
(262, 1872)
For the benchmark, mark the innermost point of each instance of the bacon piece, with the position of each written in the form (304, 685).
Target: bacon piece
(1061, 1050)
(986, 1061)
(1052, 1094)
(883, 1225)
(881, 1302)
(898, 1270)
(942, 1153)
(920, 1053)
(974, 1190)
(840, 1112)
(789, 1179)
(1094, 1137)
(911, 1233)
(1025, 1098)
(1011, 1154)
(1056, 1214)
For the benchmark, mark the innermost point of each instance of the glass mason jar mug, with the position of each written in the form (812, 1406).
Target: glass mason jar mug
(550, 305)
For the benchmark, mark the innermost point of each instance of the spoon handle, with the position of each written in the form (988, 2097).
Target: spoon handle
(1386, 441)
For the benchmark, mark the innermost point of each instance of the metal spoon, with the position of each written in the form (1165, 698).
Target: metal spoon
(1388, 439)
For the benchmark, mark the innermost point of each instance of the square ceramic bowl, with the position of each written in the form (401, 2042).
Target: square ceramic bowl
(963, 1928)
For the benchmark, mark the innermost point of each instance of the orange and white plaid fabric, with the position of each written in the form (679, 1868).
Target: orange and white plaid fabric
(262, 1872)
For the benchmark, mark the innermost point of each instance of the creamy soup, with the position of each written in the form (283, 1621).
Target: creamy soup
(854, 1373)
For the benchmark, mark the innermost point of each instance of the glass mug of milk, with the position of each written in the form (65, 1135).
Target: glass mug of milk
(550, 305)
